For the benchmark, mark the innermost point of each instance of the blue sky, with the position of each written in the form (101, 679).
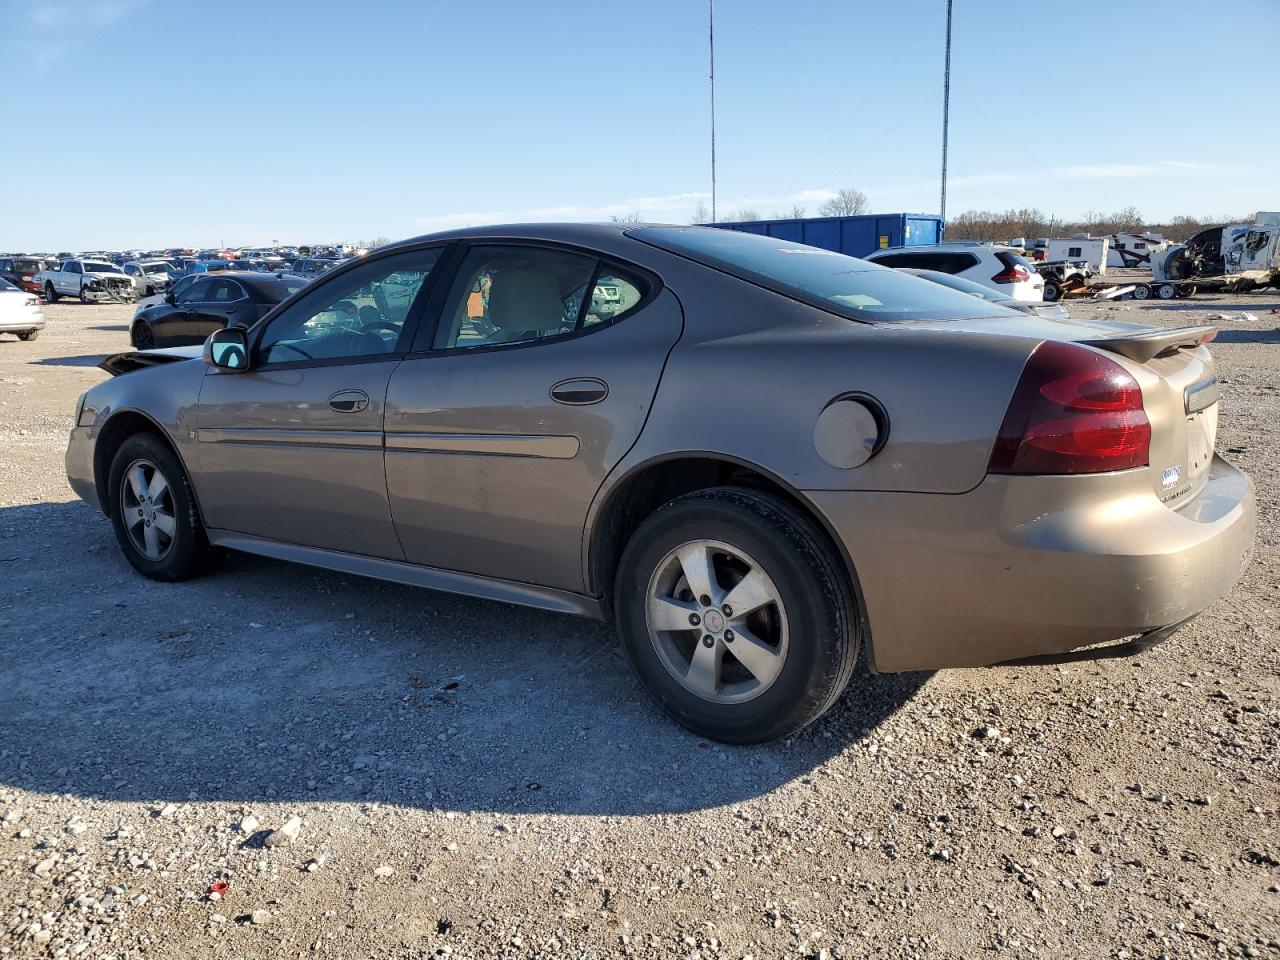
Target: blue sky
(164, 123)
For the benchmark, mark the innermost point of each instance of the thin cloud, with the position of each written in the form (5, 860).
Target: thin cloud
(54, 31)
(1075, 172)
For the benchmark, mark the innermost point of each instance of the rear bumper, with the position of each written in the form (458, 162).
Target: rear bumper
(1027, 566)
(30, 321)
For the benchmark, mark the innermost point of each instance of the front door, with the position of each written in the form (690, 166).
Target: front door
(538, 381)
(291, 450)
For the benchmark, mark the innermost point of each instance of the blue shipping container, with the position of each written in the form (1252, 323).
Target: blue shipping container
(856, 236)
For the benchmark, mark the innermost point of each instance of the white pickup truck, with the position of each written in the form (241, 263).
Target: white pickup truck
(90, 280)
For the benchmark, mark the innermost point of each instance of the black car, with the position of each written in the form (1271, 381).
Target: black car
(194, 310)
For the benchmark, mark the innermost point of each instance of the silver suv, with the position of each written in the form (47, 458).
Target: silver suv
(1000, 268)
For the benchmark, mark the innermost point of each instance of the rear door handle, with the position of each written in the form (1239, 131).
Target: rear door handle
(580, 391)
(349, 401)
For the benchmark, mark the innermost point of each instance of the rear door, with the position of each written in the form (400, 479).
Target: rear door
(536, 382)
(291, 450)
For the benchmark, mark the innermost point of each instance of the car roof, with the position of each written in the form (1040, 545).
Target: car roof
(576, 233)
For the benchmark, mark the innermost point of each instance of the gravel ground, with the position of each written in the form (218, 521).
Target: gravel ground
(475, 780)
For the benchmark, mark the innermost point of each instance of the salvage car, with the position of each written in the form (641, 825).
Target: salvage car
(210, 302)
(20, 312)
(760, 459)
(151, 276)
(22, 271)
(90, 280)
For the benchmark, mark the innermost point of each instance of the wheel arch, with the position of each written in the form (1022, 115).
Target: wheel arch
(121, 425)
(645, 486)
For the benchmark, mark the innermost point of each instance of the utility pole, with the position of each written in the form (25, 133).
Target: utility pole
(946, 116)
(711, 12)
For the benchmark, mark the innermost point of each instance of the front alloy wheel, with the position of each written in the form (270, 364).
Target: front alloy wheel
(147, 509)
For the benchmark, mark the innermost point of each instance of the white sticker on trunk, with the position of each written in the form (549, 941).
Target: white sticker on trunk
(1171, 476)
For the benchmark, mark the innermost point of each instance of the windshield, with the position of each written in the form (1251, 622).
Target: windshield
(154, 268)
(6, 285)
(91, 267)
(841, 284)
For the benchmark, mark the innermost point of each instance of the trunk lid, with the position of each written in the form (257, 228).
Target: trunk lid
(1179, 387)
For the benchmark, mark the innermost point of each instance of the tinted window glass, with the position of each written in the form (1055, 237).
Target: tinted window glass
(612, 295)
(833, 281)
(102, 268)
(360, 314)
(513, 295)
(224, 291)
(198, 292)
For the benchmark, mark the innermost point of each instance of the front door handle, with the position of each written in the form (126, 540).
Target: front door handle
(580, 391)
(349, 401)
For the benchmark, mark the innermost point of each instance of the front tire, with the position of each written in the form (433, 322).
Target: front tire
(28, 335)
(50, 294)
(736, 615)
(144, 338)
(153, 511)
(84, 296)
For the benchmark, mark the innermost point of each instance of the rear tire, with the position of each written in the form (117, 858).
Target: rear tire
(28, 335)
(1166, 291)
(153, 511)
(50, 294)
(1142, 292)
(1052, 291)
(770, 668)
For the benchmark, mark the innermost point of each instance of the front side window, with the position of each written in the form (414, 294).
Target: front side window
(131, 269)
(198, 292)
(74, 267)
(517, 294)
(362, 313)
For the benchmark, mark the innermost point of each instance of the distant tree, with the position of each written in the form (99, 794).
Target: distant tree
(635, 216)
(744, 216)
(797, 213)
(846, 203)
(701, 214)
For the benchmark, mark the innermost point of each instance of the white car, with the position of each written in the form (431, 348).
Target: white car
(20, 312)
(1000, 268)
(151, 276)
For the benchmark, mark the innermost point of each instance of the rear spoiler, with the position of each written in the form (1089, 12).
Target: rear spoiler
(1144, 346)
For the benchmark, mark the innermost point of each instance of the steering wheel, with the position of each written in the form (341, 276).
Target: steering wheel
(285, 345)
(373, 326)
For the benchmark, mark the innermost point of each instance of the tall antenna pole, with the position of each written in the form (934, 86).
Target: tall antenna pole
(711, 12)
(946, 117)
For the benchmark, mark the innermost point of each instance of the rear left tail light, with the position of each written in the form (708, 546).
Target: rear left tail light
(1013, 274)
(1073, 411)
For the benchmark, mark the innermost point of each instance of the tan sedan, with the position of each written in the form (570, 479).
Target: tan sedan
(758, 458)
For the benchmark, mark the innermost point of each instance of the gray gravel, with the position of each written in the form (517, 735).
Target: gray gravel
(476, 780)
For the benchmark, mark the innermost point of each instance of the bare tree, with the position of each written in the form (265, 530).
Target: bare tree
(745, 216)
(701, 214)
(797, 213)
(846, 203)
(635, 216)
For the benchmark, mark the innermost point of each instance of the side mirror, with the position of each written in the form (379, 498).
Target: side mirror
(227, 350)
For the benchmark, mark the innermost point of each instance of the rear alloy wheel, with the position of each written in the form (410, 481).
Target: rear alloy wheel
(1166, 291)
(736, 615)
(28, 334)
(154, 513)
(144, 338)
(50, 294)
(1142, 292)
(1052, 292)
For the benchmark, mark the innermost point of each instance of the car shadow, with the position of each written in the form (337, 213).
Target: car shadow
(84, 360)
(112, 328)
(1248, 336)
(1214, 303)
(272, 681)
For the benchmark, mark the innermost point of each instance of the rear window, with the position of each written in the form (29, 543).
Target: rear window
(946, 262)
(823, 278)
(28, 265)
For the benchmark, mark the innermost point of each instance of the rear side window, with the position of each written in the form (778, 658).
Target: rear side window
(516, 294)
(843, 285)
